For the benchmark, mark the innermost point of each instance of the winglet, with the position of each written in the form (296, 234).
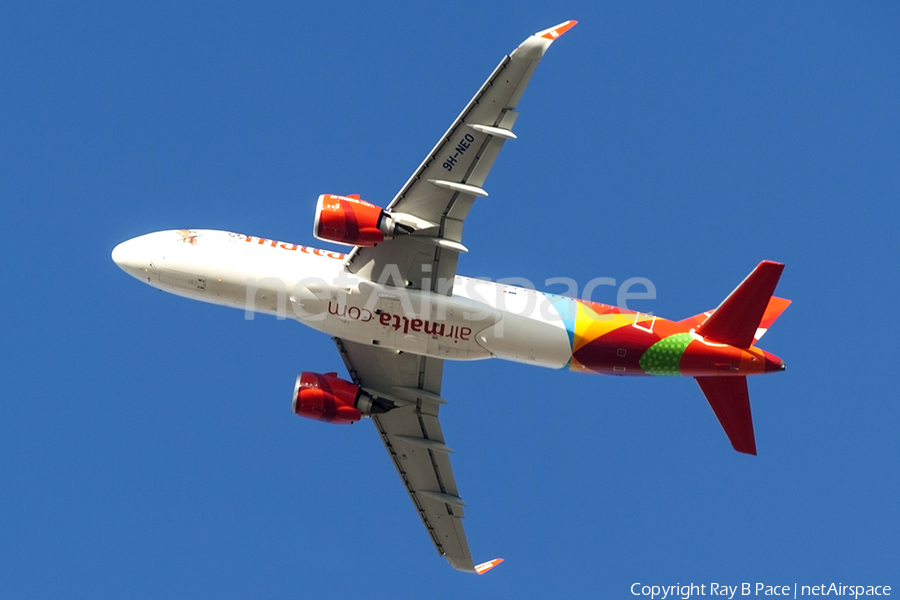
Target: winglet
(534, 46)
(557, 30)
(487, 566)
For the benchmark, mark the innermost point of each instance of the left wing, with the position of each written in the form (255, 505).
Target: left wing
(441, 191)
(413, 438)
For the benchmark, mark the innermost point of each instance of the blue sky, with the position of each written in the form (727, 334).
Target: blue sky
(147, 447)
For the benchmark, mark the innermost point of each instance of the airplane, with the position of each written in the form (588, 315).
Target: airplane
(397, 309)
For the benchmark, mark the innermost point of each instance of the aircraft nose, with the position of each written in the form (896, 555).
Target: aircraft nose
(131, 254)
(122, 255)
(135, 256)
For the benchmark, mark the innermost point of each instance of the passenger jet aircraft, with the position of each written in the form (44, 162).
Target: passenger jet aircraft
(397, 309)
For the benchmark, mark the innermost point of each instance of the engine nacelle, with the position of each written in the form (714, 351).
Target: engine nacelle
(329, 398)
(349, 220)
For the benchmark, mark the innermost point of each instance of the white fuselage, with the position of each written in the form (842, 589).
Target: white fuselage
(478, 319)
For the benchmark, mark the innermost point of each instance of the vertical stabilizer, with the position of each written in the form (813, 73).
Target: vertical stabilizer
(730, 400)
(736, 320)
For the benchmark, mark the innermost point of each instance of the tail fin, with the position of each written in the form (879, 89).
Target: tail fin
(730, 400)
(773, 311)
(739, 316)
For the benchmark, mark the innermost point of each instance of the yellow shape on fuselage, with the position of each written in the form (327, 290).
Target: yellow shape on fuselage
(589, 324)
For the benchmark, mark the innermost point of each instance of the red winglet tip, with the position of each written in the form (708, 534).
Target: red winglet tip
(555, 32)
(487, 566)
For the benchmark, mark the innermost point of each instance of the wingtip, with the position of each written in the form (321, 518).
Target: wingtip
(557, 30)
(487, 566)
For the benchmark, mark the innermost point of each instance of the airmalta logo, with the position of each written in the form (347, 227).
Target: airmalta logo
(188, 236)
(425, 326)
(292, 247)
(399, 323)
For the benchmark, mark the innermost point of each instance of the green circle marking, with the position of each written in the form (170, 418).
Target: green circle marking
(662, 358)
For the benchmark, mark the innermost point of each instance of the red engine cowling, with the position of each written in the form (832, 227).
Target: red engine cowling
(326, 398)
(349, 220)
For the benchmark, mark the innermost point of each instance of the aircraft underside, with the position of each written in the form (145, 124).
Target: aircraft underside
(397, 309)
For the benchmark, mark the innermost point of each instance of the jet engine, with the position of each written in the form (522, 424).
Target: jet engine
(350, 220)
(329, 398)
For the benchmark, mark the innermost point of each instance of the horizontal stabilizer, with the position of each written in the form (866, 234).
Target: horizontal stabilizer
(773, 311)
(730, 400)
(736, 320)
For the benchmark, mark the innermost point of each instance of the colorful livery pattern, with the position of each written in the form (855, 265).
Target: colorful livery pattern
(614, 341)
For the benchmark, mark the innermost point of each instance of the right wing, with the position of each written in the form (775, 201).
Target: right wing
(412, 435)
(441, 191)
